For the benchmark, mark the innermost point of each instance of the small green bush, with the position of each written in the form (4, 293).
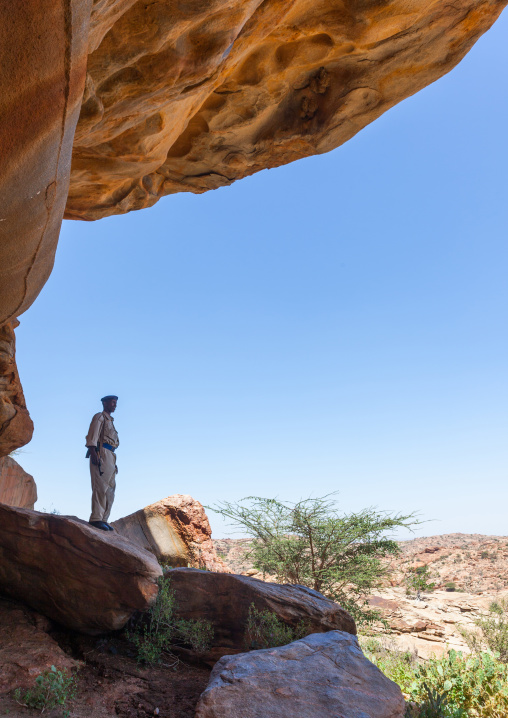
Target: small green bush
(418, 580)
(197, 633)
(454, 686)
(492, 633)
(474, 685)
(265, 630)
(52, 688)
(398, 665)
(158, 629)
(450, 586)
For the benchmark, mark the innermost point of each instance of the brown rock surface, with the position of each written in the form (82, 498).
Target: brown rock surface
(224, 599)
(25, 648)
(320, 676)
(193, 96)
(176, 530)
(17, 488)
(88, 580)
(43, 59)
(16, 426)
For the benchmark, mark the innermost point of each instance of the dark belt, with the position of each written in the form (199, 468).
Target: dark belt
(108, 446)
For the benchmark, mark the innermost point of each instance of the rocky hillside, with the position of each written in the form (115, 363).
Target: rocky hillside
(474, 566)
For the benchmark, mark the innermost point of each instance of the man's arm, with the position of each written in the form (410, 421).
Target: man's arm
(92, 438)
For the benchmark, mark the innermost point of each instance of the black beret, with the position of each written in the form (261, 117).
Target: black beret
(110, 396)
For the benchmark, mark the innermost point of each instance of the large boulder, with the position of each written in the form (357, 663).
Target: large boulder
(16, 426)
(88, 580)
(191, 96)
(17, 488)
(224, 600)
(176, 530)
(320, 676)
(26, 649)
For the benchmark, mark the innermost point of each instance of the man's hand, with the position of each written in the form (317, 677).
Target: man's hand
(94, 455)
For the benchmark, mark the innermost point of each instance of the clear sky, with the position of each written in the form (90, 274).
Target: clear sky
(335, 324)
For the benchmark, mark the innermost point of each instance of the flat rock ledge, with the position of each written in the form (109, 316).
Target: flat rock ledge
(324, 675)
(87, 580)
(224, 600)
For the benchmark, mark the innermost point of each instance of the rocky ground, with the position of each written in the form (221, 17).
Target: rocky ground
(110, 681)
(476, 565)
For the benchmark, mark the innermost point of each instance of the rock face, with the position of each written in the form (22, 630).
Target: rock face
(224, 599)
(193, 96)
(17, 488)
(25, 648)
(44, 53)
(176, 530)
(183, 96)
(16, 426)
(87, 580)
(320, 676)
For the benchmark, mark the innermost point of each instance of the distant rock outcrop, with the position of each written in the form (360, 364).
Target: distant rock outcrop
(320, 676)
(17, 488)
(88, 580)
(224, 600)
(16, 426)
(176, 530)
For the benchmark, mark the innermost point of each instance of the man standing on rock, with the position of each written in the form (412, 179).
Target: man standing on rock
(101, 442)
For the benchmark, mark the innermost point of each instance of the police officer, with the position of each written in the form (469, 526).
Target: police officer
(102, 442)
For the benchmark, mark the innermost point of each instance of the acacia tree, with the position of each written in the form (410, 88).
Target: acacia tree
(311, 543)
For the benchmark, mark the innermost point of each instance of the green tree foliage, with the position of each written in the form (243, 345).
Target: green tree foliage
(453, 686)
(492, 631)
(312, 543)
(52, 688)
(158, 629)
(265, 630)
(418, 580)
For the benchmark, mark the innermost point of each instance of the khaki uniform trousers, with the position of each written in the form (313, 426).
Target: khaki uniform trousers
(103, 486)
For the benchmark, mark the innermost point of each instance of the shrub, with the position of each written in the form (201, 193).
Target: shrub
(159, 629)
(265, 630)
(397, 664)
(473, 685)
(492, 633)
(418, 580)
(454, 686)
(450, 586)
(312, 544)
(197, 633)
(52, 688)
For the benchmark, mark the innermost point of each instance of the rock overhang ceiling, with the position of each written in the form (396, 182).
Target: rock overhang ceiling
(191, 96)
(185, 95)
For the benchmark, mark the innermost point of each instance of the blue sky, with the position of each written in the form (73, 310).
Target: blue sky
(335, 324)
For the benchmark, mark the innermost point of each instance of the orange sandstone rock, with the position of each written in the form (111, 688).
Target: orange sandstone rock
(17, 488)
(16, 426)
(176, 530)
(187, 96)
(44, 53)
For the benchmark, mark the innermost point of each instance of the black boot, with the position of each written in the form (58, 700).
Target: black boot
(99, 525)
(110, 528)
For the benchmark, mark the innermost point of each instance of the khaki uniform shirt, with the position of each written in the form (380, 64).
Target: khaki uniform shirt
(109, 435)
